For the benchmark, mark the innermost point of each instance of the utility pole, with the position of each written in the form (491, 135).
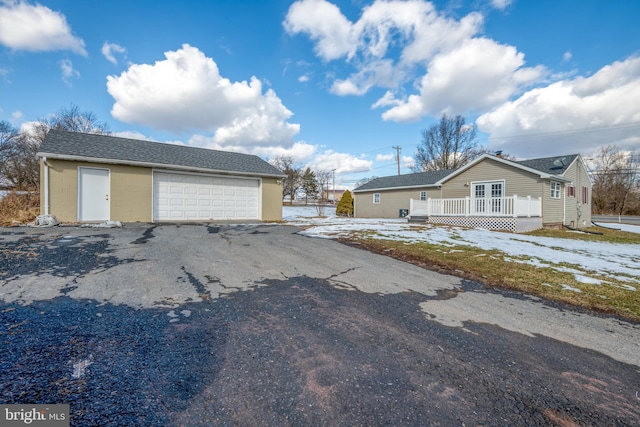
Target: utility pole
(398, 148)
(334, 185)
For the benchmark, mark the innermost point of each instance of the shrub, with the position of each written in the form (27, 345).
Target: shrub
(345, 205)
(19, 208)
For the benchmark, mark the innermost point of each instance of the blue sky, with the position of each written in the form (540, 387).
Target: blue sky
(335, 84)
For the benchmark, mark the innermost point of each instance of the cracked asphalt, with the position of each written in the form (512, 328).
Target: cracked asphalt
(257, 325)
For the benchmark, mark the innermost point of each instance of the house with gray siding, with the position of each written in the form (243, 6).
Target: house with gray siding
(489, 192)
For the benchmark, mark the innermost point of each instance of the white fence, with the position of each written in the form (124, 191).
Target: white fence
(496, 206)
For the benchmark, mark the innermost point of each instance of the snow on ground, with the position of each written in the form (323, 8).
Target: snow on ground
(604, 260)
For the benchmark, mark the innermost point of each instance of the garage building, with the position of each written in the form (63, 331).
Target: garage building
(94, 178)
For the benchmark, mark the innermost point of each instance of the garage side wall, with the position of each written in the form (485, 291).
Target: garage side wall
(271, 199)
(130, 191)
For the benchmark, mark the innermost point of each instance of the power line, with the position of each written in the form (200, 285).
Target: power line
(568, 132)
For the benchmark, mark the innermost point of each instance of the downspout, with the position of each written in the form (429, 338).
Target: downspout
(46, 185)
(564, 204)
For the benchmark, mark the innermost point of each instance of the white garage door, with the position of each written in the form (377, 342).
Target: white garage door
(183, 197)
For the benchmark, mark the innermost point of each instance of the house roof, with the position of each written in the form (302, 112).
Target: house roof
(552, 165)
(110, 149)
(421, 179)
(548, 167)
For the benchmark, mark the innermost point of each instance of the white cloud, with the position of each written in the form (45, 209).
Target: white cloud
(110, 49)
(68, 72)
(567, 56)
(501, 4)
(185, 92)
(325, 24)
(17, 116)
(36, 28)
(477, 75)
(304, 78)
(394, 42)
(300, 151)
(572, 115)
(408, 162)
(385, 157)
(132, 134)
(341, 162)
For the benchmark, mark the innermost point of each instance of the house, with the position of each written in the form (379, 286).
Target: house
(489, 192)
(93, 178)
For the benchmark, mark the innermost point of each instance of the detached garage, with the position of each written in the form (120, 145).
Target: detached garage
(94, 178)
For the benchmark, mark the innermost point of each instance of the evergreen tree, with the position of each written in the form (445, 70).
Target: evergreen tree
(345, 206)
(309, 185)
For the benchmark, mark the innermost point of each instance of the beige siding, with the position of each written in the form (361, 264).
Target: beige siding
(271, 199)
(391, 201)
(130, 198)
(552, 209)
(578, 213)
(517, 181)
(131, 193)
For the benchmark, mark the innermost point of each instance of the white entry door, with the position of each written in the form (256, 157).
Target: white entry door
(93, 194)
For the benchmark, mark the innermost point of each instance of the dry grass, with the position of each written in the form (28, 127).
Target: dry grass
(498, 269)
(609, 235)
(18, 208)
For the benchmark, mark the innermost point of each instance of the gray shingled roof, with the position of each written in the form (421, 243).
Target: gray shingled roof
(63, 144)
(552, 165)
(422, 179)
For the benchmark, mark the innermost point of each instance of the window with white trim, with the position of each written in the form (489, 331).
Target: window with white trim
(571, 191)
(423, 195)
(376, 198)
(555, 190)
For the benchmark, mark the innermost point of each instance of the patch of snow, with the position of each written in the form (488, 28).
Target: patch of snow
(587, 280)
(570, 288)
(618, 261)
(629, 228)
(106, 224)
(44, 221)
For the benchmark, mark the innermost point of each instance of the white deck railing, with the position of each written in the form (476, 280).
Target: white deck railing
(513, 206)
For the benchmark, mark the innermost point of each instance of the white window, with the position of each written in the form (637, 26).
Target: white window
(555, 190)
(571, 191)
(376, 198)
(423, 195)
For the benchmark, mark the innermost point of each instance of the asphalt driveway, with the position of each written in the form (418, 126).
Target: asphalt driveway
(257, 325)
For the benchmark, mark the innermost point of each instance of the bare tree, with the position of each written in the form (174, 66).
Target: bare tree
(19, 166)
(616, 182)
(449, 144)
(363, 181)
(323, 177)
(73, 120)
(293, 180)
